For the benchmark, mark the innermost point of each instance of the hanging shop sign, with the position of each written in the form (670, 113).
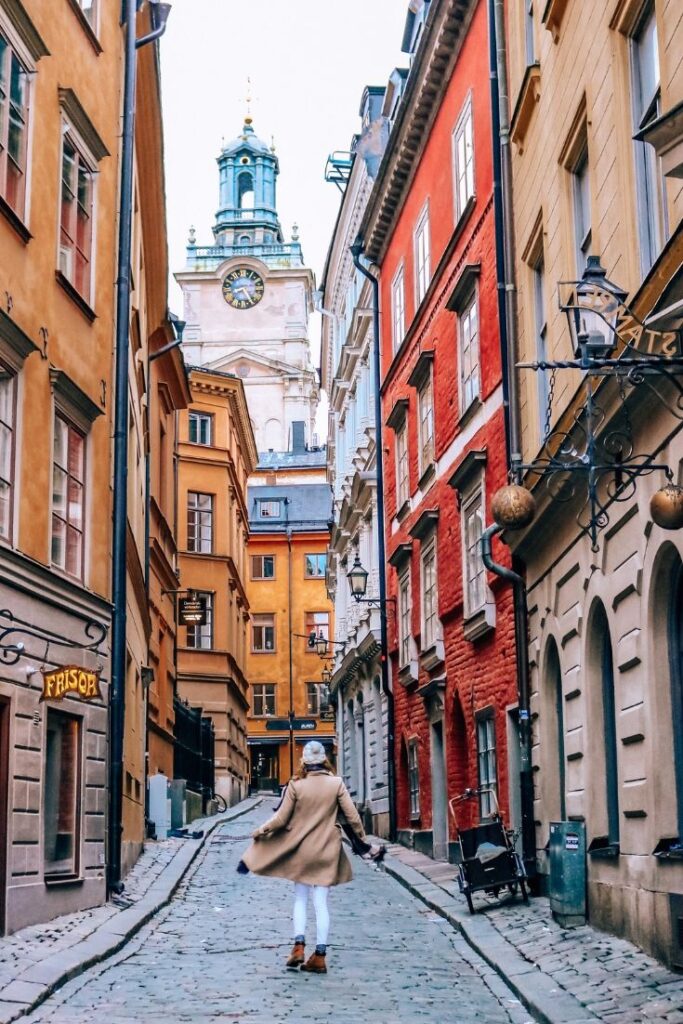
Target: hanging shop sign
(192, 611)
(71, 681)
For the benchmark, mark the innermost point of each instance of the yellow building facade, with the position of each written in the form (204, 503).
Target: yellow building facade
(216, 454)
(289, 511)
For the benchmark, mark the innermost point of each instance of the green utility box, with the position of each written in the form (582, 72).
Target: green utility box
(568, 872)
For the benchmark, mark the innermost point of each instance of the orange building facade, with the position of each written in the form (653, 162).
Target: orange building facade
(216, 454)
(289, 510)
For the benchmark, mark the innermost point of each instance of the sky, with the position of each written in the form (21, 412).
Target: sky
(308, 61)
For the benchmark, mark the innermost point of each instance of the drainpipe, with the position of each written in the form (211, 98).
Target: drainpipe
(356, 251)
(120, 506)
(523, 695)
(289, 619)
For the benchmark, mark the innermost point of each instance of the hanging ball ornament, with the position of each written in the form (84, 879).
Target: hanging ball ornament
(513, 507)
(666, 507)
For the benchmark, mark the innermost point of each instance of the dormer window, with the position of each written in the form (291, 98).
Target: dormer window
(269, 509)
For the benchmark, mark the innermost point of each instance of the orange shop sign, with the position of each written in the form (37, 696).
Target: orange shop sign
(71, 681)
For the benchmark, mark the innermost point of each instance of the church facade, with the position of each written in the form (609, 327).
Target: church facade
(248, 297)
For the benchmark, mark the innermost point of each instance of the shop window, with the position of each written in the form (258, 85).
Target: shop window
(8, 414)
(201, 428)
(68, 498)
(263, 634)
(200, 638)
(263, 567)
(62, 795)
(413, 782)
(14, 116)
(486, 763)
(263, 700)
(316, 565)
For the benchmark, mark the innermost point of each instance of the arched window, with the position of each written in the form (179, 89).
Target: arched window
(555, 732)
(245, 191)
(601, 646)
(675, 629)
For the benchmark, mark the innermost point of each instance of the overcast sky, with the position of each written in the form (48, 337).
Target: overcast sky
(309, 61)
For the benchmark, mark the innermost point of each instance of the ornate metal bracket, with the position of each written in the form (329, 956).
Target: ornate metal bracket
(12, 627)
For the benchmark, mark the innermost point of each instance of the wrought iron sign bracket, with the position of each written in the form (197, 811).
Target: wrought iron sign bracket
(12, 628)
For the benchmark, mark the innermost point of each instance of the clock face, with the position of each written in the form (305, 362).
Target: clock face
(242, 288)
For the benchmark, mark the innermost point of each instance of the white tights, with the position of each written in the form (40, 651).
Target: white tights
(322, 914)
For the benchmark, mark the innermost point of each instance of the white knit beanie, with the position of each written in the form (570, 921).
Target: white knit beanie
(314, 753)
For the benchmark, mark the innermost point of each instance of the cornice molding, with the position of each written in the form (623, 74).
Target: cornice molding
(427, 83)
(74, 110)
(24, 27)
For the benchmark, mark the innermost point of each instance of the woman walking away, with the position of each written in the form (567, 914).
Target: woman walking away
(303, 842)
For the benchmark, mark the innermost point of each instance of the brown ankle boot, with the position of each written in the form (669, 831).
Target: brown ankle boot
(296, 957)
(315, 964)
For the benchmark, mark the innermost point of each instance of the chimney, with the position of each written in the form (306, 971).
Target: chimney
(298, 436)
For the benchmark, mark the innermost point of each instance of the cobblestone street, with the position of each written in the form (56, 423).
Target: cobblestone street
(217, 953)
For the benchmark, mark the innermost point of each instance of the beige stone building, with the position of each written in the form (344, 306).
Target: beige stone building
(597, 167)
(216, 454)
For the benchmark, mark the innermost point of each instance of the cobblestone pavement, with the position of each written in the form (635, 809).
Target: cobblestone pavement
(217, 952)
(613, 979)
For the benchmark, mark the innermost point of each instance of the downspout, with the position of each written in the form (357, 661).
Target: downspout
(120, 477)
(507, 317)
(356, 251)
(523, 696)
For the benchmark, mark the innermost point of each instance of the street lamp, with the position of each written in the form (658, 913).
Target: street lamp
(591, 306)
(358, 579)
(326, 676)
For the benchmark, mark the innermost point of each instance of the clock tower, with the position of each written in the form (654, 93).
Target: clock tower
(248, 297)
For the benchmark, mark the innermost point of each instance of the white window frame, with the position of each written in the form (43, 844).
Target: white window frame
(321, 692)
(473, 568)
(92, 165)
(28, 64)
(487, 761)
(402, 466)
(202, 636)
(413, 781)
(263, 625)
(426, 440)
(254, 576)
(463, 166)
(316, 555)
(429, 596)
(469, 351)
(201, 417)
(197, 543)
(404, 618)
(422, 254)
(398, 308)
(581, 202)
(263, 696)
(264, 503)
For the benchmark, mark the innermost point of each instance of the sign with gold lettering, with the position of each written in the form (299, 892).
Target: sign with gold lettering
(71, 681)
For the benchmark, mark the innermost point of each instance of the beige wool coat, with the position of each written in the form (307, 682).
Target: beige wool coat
(302, 841)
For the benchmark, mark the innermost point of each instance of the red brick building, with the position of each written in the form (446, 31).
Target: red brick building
(430, 228)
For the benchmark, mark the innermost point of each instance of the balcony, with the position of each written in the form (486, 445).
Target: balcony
(273, 254)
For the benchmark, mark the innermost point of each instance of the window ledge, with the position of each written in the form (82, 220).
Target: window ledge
(480, 624)
(76, 297)
(470, 412)
(668, 849)
(608, 851)
(433, 657)
(403, 510)
(407, 675)
(86, 26)
(529, 96)
(15, 221)
(54, 880)
(553, 15)
(427, 476)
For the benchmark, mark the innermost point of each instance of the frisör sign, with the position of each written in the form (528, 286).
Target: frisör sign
(192, 611)
(71, 681)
